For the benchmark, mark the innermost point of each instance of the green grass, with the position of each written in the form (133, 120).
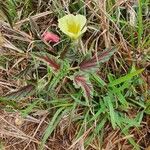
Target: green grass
(55, 77)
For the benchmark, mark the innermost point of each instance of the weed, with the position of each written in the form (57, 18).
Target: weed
(85, 89)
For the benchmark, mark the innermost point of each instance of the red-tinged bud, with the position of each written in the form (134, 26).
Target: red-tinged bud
(51, 37)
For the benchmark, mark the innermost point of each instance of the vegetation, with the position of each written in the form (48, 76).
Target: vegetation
(87, 90)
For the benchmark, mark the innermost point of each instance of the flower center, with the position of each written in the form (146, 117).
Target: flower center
(73, 27)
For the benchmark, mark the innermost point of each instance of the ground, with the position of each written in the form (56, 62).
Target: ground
(59, 93)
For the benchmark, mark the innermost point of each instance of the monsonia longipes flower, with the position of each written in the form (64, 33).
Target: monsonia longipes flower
(72, 25)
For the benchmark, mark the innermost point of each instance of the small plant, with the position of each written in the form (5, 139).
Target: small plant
(78, 69)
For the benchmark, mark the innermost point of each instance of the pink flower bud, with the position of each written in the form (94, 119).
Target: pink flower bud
(51, 37)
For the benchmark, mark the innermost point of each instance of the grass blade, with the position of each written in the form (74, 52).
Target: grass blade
(125, 78)
(51, 126)
(108, 102)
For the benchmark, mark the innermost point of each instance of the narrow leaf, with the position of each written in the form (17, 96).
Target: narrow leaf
(22, 93)
(100, 125)
(29, 109)
(50, 60)
(52, 124)
(98, 80)
(90, 64)
(131, 140)
(125, 78)
(111, 111)
(102, 109)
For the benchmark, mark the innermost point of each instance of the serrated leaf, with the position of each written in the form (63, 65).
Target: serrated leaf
(22, 93)
(81, 80)
(90, 64)
(50, 60)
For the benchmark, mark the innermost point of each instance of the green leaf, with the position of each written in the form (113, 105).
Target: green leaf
(52, 124)
(131, 140)
(78, 101)
(125, 78)
(117, 92)
(98, 80)
(29, 109)
(102, 109)
(100, 125)
(139, 117)
(109, 104)
(147, 110)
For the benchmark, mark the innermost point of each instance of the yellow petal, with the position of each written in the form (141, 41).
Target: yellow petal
(63, 23)
(73, 26)
(81, 20)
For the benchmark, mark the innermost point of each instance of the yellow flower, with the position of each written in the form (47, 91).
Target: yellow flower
(72, 25)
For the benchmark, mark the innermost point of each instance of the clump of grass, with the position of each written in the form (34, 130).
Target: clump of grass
(90, 94)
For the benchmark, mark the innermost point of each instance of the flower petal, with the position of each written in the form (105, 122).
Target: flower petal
(63, 23)
(81, 20)
(50, 37)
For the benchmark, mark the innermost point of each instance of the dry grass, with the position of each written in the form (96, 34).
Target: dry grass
(25, 134)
